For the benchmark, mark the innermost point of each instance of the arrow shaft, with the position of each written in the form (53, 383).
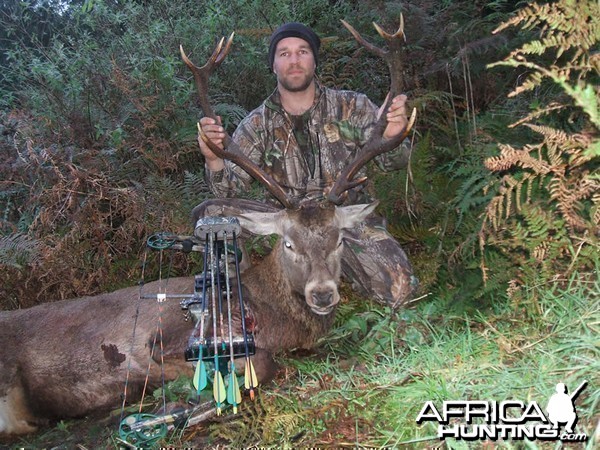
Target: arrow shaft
(229, 316)
(219, 291)
(240, 296)
(214, 301)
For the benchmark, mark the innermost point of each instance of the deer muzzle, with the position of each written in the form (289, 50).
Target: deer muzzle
(322, 297)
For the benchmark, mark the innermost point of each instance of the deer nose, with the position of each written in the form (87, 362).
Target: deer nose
(322, 299)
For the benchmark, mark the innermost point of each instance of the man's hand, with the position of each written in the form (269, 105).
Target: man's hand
(215, 132)
(396, 116)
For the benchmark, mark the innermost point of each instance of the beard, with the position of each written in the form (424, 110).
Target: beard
(296, 84)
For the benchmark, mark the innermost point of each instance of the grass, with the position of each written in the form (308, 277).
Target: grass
(364, 387)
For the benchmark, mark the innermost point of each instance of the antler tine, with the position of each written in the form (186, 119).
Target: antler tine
(392, 56)
(201, 74)
(387, 36)
(221, 53)
(376, 145)
(362, 41)
(230, 150)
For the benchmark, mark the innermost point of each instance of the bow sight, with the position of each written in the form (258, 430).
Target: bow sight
(213, 344)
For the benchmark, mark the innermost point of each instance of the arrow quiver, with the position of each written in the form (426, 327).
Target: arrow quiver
(221, 264)
(220, 334)
(219, 313)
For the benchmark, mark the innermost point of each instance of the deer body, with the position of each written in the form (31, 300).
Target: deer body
(70, 358)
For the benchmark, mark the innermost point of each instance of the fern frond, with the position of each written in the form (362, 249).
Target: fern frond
(532, 81)
(550, 230)
(570, 24)
(570, 31)
(568, 196)
(194, 189)
(18, 250)
(511, 157)
(231, 114)
(538, 113)
(471, 194)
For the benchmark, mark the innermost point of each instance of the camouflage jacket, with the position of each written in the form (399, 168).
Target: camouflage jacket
(305, 163)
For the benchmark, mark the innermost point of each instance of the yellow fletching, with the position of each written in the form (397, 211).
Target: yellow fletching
(219, 392)
(250, 380)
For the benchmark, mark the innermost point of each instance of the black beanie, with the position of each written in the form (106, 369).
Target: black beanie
(298, 30)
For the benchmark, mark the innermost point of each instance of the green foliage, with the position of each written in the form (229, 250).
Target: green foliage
(99, 147)
(370, 397)
(104, 113)
(569, 40)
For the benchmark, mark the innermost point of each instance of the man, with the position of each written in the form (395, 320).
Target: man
(305, 134)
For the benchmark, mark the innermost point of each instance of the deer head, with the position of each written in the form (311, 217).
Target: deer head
(375, 146)
(308, 256)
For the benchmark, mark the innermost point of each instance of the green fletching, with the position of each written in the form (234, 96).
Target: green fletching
(200, 379)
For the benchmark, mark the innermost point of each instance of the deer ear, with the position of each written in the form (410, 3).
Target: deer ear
(261, 223)
(350, 216)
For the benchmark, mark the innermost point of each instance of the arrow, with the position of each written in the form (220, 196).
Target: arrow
(234, 397)
(250, 380)
(200, 377)
(220, 293)
(219, 393)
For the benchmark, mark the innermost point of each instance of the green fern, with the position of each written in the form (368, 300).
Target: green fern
(471, 195)
(231, 114)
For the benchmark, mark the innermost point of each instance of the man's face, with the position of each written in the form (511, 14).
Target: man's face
(294, 64)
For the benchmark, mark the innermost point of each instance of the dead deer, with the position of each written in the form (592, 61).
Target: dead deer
(71, 358)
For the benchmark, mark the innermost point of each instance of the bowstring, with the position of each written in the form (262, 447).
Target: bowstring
(135, 321)
(160, 325)
(158, 335)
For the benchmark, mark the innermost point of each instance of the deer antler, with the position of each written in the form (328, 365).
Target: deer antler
(230, 150)
(202, 74)
(377, 144)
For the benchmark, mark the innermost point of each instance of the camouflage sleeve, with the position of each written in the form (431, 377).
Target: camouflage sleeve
(366, 114)
(397, 158)
(232, 180)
